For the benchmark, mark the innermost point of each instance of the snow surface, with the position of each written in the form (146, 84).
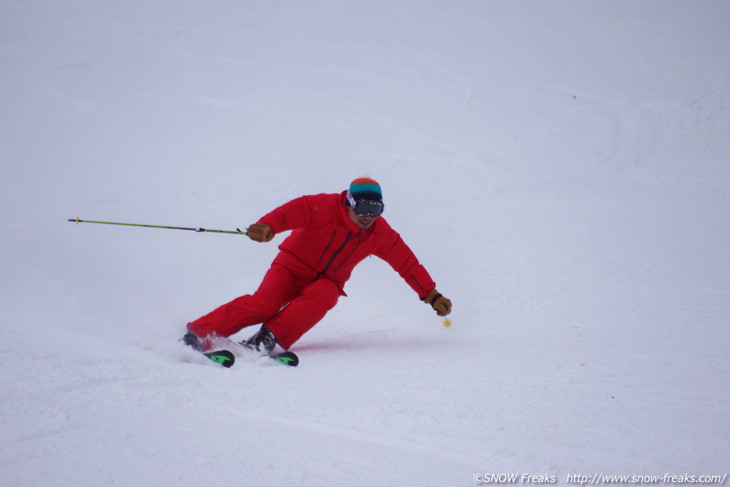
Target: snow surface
(561, 168)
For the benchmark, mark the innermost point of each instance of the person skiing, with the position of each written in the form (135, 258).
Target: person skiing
(331, 234)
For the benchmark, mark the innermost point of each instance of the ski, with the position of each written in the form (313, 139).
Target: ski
(224, 351)
(285, 358)
(221, 357)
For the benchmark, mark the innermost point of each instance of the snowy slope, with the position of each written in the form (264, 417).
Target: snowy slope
(561, 168)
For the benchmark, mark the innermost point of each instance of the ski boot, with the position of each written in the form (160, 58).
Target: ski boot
(263, 341)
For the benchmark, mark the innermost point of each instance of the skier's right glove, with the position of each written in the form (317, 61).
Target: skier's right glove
(260, 232)
(440, 304)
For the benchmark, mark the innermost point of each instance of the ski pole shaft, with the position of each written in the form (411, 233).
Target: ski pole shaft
(236, 232)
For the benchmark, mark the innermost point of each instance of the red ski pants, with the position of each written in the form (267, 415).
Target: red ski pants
(287, 304)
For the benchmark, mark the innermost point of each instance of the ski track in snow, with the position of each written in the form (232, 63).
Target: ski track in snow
(561, 169)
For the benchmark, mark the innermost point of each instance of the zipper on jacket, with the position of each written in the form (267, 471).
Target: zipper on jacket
(332, 239)
(348, 256)
(329, 263)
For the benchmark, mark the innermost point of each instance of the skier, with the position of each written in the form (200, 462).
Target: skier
(331, 234)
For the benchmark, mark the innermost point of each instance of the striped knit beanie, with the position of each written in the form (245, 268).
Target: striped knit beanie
(366, 189)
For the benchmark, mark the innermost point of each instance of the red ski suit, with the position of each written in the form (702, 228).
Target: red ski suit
(308, 275)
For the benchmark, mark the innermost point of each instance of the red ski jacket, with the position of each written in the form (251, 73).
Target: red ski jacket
(325, 242)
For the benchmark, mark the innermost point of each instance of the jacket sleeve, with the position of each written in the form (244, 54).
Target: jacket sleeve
(402, 259)
(298, 213)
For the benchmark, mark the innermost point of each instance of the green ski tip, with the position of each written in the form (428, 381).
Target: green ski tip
(222, 357)
(287, 358)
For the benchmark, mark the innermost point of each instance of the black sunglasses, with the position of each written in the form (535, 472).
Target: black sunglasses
(368, 208)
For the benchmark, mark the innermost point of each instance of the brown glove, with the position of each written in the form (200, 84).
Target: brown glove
(441, 304)
(260, 232)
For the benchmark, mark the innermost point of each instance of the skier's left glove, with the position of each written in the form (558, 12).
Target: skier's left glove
(438, 302)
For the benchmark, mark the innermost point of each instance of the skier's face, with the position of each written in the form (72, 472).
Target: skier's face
(363, 222)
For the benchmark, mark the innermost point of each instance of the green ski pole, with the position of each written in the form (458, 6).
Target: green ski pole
(236, 232)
